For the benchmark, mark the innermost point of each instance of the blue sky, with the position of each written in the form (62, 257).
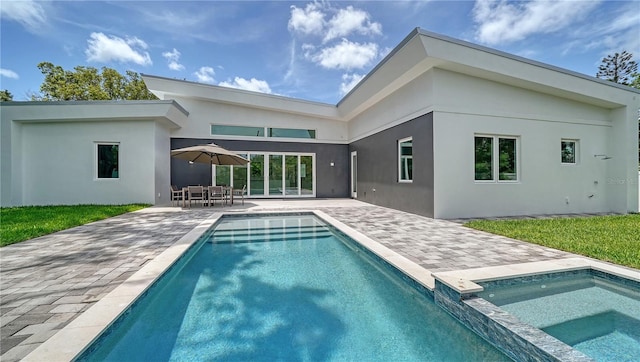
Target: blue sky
(310, 50)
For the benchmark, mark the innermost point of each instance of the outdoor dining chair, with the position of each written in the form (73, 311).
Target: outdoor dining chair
(196, 193)
(177, 195)
(240, 192)
(215, 193)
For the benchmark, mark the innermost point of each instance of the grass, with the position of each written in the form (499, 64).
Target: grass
(22, 223)
(614, 239)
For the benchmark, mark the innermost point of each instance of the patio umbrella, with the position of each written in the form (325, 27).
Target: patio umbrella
(209, 153)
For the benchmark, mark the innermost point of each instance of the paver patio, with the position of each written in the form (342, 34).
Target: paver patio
(47, 282)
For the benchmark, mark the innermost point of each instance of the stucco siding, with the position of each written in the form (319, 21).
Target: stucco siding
(162, 160)
(407, 103)
(331, 181)
(467, 94)
(377, 163)
(59, 163)
(202, 114)
(544, 186)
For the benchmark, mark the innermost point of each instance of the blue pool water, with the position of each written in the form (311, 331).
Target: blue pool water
(285, 288)
(597, 316)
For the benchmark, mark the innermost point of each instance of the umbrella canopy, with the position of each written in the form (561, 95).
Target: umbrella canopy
(209, 153)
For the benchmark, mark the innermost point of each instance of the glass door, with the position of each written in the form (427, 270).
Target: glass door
(306, 175)
(275, 175)
(270, 174)
(291, 175)
(256, 177)
(240, 176)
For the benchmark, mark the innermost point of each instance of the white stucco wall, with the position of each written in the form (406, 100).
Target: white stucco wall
(202, 114)
(59, 163)
(468, 106)
(162, 158)
(405, 104)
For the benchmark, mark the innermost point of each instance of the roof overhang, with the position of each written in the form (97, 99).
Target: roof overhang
(169, 113)
(167, 88)
(421, 51)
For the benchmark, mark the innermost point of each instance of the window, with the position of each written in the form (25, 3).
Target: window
(569, 151)
(291, 133)
(247, 131)
(496, 158)
(218, 129)
(405, 160)
(108, 155)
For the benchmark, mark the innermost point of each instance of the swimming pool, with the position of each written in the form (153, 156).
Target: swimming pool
(594, 312)
(285, 288)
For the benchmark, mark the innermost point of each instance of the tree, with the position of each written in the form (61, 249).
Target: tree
(636, 81)
(618, 68)
(88, 83)
(5, 96)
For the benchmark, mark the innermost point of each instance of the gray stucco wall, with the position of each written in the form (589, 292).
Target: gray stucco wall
(378, 167)
(330, 181)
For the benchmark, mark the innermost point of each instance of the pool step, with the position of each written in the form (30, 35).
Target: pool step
(261, 234)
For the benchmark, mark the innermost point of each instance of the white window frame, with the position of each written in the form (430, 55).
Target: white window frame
(401, 159)
(96, 161)
(265, 133)
(495, 158)
(576, 151)
(265, 171)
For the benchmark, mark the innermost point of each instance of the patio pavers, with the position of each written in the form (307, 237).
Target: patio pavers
(48, 281)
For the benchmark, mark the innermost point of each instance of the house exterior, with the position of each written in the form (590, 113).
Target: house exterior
(441, 128)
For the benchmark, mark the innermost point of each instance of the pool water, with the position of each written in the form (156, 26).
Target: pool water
(285, 288)
(594, 315)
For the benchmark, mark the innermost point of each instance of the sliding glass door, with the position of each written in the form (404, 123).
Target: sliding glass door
(271, 174)
(275, 175)
(256, 176)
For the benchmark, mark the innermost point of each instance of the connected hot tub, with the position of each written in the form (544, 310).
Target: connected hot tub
(592, 311)
(581, 311)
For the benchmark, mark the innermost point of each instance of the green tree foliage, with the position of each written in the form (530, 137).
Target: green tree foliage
(5, 96)
(636, 81)
(88, 83)
(619, 68)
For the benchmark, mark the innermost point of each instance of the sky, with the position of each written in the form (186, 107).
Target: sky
(312, 50)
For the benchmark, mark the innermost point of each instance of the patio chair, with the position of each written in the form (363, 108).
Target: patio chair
(215, 193)
(240, 192)
(196, 193)
(177, 195)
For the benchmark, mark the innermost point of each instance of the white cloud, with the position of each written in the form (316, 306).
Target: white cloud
(30, 14)
(104, 48)
(346, 55)
(205, 75)
(350, 20)
(173, 57)
(253, 84)
(309, 20)
(502, 21)
(349, 81)
(8, 73)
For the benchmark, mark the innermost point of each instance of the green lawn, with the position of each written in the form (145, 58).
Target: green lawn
(22, 223)
(614, 239)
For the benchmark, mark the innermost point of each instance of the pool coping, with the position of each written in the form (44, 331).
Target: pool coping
(465, 281)
(71, 341)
